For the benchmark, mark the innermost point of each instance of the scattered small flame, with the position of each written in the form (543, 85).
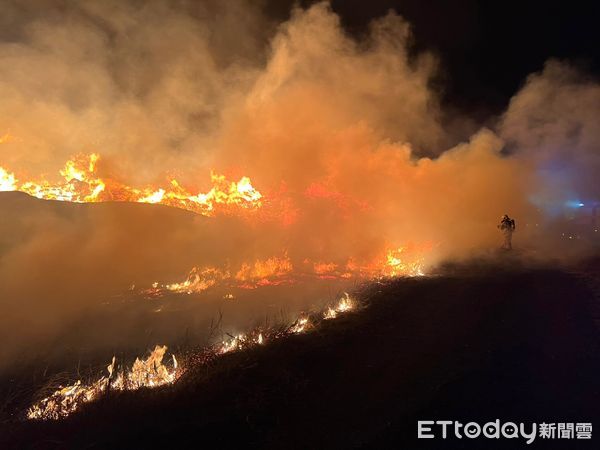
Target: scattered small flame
(240, 342)
(275, 271)
(151, 372)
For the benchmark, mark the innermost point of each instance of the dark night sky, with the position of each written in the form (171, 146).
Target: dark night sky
(486, 48)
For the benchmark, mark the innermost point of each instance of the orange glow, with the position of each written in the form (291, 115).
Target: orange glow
(7, 181)
(403, 261)
(81, 183)
(262, 270)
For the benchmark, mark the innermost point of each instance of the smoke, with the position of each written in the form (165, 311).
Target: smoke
(344, 135)
(552, 122)
(143, 83)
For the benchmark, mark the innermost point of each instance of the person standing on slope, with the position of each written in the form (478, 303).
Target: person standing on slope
(507, 226)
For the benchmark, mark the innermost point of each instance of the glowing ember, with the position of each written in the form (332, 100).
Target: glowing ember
(240, 342)
(144, 373)
(235, 343)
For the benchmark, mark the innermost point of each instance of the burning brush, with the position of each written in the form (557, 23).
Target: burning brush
(276, 271)
(302, 324)
(151, 372)
(82, 184)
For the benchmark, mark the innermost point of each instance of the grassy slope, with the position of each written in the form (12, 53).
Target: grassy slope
(514, 345)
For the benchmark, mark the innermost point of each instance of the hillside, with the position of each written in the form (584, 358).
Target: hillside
(474, 343)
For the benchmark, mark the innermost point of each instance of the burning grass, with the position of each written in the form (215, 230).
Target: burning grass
(278, 270)
(82, 184)
(151, 372)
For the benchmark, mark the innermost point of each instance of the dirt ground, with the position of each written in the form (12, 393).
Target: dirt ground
(475, 342)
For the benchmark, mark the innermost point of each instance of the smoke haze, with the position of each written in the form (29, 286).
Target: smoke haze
(345, 134)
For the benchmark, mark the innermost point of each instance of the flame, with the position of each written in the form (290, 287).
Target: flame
(8, 181)
(263, 272)
(144, 373)
(278, 270)
(271, 271)
(301, 325)
(81, 183)
(398, 262)
(344, 304)
(240, 342)
(151, 372)
(198, 280)
(321, 268)
(224, 193)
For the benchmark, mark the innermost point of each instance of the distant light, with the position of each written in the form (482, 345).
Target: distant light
(575, 204)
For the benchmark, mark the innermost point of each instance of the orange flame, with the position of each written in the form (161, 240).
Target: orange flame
(149, 372)
(81, 183)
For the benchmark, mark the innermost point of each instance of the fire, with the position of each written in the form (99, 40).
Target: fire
(223, 193)
(198, 280)
(271, 271)
(301, 325)
(81, 183)
(7, 181)
(240, 342)
(263, 272)
(399, 264)
(150, 372)
(278, 270)
(7, 137)
(345, 304)
(324, 268)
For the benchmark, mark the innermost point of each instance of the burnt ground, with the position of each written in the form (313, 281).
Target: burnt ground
(474, 343)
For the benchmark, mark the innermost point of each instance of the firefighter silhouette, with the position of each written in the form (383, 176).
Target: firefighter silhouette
(507, 226)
